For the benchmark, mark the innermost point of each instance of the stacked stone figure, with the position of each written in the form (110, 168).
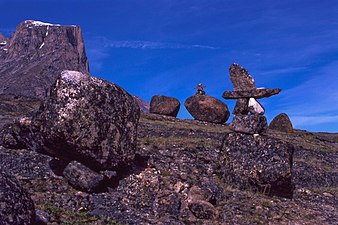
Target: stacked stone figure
(248, 112)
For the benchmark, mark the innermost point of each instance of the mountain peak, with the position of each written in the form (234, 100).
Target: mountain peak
(35, 55)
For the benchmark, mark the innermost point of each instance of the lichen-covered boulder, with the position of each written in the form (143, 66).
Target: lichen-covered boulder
(257, 162)
(249, 124)
(281, 123)
(89, 120)
(16, 206)
(207, 108)
(164, 105)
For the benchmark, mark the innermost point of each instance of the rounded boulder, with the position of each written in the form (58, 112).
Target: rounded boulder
(281, 123)
(207, 108)
(164, 105)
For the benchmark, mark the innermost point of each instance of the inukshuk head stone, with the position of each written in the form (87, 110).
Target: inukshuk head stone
(248, 112)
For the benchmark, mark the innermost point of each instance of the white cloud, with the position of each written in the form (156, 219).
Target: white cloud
(153, 45)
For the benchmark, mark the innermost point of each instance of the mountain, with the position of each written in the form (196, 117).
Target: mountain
(37, 52)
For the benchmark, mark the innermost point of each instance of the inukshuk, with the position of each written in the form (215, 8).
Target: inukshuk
(248, 112)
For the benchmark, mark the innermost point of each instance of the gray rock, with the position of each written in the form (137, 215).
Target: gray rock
(240, 78)
(281, 123)
(207, 108)
(164, 105)
(16, 206)
(89, 120)
(241, 107)
(83, 178)
(249, 124)
(254, 93)
(258, 163)
(202, 209)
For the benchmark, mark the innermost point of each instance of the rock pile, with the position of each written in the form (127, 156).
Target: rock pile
(258, 162)
(249, 113)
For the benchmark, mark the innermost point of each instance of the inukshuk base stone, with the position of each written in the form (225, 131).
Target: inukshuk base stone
(249, 113)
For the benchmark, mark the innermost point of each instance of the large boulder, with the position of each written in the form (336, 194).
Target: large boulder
(207, 108)
(16, 206)
(89, 120)
(281, 123)
(249, 124)
(164, 105)
(258, 162)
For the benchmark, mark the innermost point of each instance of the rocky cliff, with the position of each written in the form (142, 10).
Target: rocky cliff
(33, 57)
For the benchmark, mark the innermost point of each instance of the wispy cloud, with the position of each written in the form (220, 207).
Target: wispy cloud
(154, 45)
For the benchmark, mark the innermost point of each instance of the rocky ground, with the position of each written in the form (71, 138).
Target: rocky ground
(175, 180)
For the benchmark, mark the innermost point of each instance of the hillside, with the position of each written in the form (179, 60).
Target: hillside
(174, 156)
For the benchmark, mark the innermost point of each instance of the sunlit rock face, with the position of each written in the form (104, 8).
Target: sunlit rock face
(89, 120)
(33, 57)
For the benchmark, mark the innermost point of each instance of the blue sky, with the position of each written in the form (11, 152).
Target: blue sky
(166, 47)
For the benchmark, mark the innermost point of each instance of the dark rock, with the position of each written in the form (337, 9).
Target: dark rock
(281, 123)
(207, 108)
(83, 178)
(249, 124)
(89, 120)
(36, 54)
(240, 78)
(41, 217)
(164, 105)
(202, 209)
(16, 205)
(18, 135)
(254, 93)
(241, 107)
(258, 162)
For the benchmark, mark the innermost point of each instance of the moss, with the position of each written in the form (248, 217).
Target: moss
(64, 216)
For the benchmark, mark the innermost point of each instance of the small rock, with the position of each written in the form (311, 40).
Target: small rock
(83, 178)
(207, 108)
(42, 217)
(255, 107)
(202, 209)
(281, 123)
(249, 124)
(164, 105)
